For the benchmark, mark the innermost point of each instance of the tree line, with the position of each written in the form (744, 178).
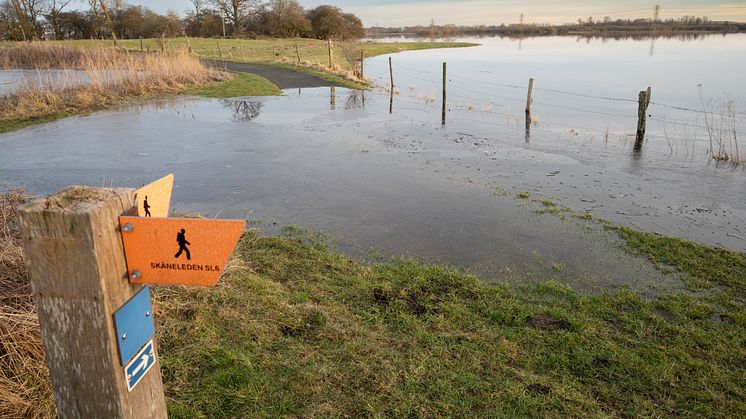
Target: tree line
(56, 19)
(589, 25)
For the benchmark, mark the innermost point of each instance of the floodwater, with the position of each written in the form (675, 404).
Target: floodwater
(13, 80)
(388, 175)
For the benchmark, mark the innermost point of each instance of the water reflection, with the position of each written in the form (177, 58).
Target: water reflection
(243, 110)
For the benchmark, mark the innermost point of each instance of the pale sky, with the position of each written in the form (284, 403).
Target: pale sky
(487, 12)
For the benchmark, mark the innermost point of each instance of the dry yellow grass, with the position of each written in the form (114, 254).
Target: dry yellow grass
(110, 76)
(24, 379)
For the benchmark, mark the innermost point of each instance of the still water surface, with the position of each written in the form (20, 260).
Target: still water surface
(336, 159)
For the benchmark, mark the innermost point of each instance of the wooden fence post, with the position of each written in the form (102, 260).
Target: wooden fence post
(331, 59)
(189, 44)
(642, 110)
(443, 112)
(391, 75)
(141, 45)
(220, 52)
(79, 279)
(362, 64)
(297, 52)
(333, 98)
(529, 100)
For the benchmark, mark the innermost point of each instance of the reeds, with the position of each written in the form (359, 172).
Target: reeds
(24, 378)
(90, 79)
(722, 133)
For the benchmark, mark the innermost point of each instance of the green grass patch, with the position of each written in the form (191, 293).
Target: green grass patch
(296, 329)
(241, 84)
(705, 265)
(16, 124)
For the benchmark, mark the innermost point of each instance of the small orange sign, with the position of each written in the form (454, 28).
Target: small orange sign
(154, 199)
(181, 251)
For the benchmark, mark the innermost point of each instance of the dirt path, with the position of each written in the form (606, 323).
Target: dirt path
(283, 78)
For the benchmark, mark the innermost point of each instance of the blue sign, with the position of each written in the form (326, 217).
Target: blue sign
(139, 366)
(134, 325)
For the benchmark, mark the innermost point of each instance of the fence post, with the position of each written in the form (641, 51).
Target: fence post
(189, 44)
(443, 112)
(141, 45)
(297, 52)
(274, 51)
(391, 75)
(79, 279)
(333, 98)
(642, 110)
(220, 52)
(329, 47)
(529, 100)
(362, 64)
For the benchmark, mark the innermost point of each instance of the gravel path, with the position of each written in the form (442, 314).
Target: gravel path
(283, 78)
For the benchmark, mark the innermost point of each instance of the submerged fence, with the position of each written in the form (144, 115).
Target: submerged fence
(722, 134)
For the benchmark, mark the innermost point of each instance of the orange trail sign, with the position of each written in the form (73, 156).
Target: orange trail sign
(154, 199)
(180, 251)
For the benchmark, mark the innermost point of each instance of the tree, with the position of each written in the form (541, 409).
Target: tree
(353, 27)
(286, 19)
(236, 11)
(327, 22)
(53, 16)
(194, 17)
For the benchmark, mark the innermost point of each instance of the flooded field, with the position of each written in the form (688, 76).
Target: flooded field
(13, 80)
(386, 174)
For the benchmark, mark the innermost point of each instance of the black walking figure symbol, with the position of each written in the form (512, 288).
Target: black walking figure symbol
(147, 207)
(181, 239)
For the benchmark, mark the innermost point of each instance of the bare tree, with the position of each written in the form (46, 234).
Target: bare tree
(236, 11)
(53, 15)
(28, 12)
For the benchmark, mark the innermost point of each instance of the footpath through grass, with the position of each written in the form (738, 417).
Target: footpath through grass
(299, 330)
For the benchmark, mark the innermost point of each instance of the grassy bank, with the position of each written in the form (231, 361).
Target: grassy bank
(296, 329)
(269, 50)
(112, 77)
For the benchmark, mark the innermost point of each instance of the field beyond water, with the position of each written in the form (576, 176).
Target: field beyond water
(297, 329)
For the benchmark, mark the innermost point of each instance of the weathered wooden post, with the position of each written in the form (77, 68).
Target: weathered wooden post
(642, 109)
(329, 47)
(79, 279)
(362, 64)
(274, 51)
(529, 100)
(391, 75)
(220, 52)
(189, 44)
(443, 111)
(333, 98)
(297, 52)
(141, 45)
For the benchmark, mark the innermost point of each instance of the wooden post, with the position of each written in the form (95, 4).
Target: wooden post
(362, 64)
(329, 47)
(79, 279)
(220, 52)
(642, 110)
(189, 44)
(391, 75)
(333, 98)
(141, 45)
(443, 112)
(529, 100)
(297, 52)
(274, 51)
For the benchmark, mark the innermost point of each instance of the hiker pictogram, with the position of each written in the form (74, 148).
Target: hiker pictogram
(146, 206)
(183, 243)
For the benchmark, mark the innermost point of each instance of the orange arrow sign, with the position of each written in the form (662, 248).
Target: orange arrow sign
(154, 199)
(178, 250)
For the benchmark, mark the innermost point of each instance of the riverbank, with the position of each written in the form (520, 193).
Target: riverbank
(45, 105)
(296, 328)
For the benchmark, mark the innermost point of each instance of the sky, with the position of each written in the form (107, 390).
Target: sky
(487, 12)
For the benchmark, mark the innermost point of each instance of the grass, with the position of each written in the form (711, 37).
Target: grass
(115, 78)
(25, 390)
(241, 84)
(297, 329)
(709, 266)
(269, 50)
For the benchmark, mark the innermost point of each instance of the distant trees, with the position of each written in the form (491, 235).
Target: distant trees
(286, 18)
(65, 19)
